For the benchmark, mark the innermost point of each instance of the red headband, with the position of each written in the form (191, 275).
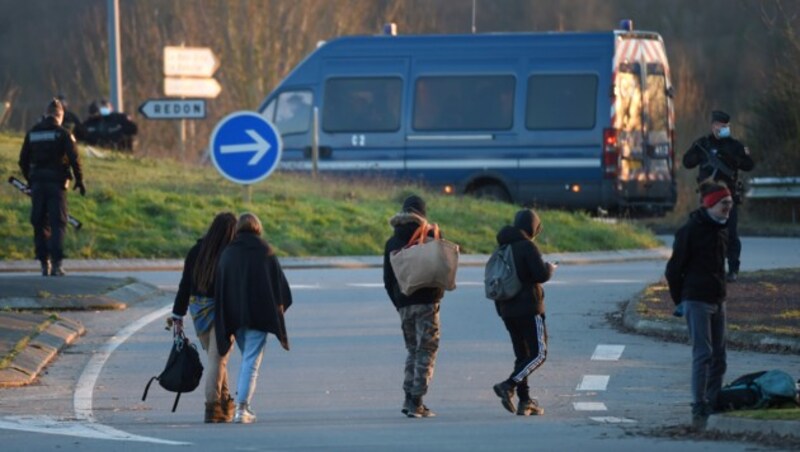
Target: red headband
(714, 197)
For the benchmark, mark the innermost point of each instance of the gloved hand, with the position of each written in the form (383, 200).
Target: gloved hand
(79, 186)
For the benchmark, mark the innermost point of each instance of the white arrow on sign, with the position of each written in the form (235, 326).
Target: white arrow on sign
(260, 147)
(191, 87)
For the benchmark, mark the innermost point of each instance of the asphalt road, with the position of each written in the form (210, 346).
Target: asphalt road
(340, 386)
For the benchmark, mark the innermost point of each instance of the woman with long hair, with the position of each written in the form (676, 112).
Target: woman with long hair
(196, 294)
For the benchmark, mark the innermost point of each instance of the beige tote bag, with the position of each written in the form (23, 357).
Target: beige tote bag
(425, 262)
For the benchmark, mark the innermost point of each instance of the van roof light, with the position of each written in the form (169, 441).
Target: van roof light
(390, 29)
(626, 24)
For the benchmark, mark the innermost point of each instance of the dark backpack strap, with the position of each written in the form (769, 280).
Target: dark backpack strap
(175, 405)
(147, 388)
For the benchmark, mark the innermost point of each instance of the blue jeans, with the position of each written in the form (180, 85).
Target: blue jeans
(251, 345)
(706, 324)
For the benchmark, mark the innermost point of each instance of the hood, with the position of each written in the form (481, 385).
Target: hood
(406, 218)
(529, 222)
(510, 234)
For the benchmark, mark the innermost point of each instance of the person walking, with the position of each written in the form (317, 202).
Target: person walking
(695, 274)
(524, 314)
(720, 157)
(196, 294)
(419, 312)
(48, 159)
(251, 297)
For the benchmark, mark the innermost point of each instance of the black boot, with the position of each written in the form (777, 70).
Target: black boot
(57, 269)
(45, 267)
(505, 390)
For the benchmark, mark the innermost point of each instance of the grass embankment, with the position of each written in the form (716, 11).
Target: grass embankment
(148, 208)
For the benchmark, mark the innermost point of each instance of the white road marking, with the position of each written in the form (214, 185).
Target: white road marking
(367, 285)
(612, 420)
(303, 286)
(607, 352)
(589, 406)
(593, 383)
(469, 283)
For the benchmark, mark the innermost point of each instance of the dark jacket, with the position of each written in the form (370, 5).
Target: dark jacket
(251, 291)
(72, 123)
(730, 151)
(696, 270)
(532, 272)
(187, 287)
(404, 226)
(48, 153)
(114, 131)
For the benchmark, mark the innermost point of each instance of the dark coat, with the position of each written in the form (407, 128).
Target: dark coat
(730, 151)
(696, 270)
(251, 291)
(187, 287)
(48, 153)
(404, 226)
(532, 272)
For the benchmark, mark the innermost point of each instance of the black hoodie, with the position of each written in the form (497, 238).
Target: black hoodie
(696, 270)
(531, 270)
(404, 226)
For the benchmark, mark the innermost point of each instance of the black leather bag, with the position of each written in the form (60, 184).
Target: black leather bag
(183, 370)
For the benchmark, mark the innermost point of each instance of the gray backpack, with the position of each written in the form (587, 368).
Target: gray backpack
(500, 278)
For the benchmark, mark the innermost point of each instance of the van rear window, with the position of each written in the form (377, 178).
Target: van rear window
(561, 101)
(464, 103)
(362, 104)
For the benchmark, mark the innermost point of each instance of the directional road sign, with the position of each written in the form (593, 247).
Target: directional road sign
(245, 147)
(189, 61)
(191, 87)
(173, 109)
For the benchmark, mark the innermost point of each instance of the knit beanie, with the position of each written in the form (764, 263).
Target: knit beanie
(713, 193)
(527, 221)
(414, 204)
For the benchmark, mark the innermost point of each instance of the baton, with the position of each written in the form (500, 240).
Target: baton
(23, 187)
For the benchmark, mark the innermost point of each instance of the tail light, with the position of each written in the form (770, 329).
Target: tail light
(610, 154)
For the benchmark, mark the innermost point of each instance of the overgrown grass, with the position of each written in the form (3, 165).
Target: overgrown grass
(775, 414)
(147, 208)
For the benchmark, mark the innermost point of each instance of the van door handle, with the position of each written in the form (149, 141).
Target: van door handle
(325, 152)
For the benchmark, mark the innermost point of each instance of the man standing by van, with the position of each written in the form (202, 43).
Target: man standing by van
(720, 157)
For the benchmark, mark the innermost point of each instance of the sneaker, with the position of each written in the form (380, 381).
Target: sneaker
(732, 277)
(505, 391)
(46, 267)
(417, 409)
(244, 415)
(700, 413)
(529, 407)
(407, 406)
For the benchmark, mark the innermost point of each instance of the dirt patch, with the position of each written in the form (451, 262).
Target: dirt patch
(765, 301)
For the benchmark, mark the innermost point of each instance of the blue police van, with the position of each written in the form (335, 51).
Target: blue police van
(573, 120)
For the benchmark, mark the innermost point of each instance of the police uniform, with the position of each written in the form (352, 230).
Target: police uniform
(47, 155)
(113, 130)
(707, 151)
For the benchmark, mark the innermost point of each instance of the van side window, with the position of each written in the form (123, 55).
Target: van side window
(464, 103)
(362, 104)
(269, 111)
(293, 112)
(561, 101)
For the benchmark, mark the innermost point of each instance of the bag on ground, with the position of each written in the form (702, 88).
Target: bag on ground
(758, 390)
(183, 370)
(500, 278)
(425, 262)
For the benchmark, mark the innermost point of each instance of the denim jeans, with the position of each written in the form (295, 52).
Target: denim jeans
(251, 345)
(706, 324)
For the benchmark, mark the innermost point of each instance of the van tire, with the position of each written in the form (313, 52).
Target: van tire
(493, 192)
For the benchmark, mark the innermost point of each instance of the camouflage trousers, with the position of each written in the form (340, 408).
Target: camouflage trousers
(420, 323)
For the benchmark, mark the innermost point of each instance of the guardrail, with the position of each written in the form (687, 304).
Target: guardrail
(774, 188)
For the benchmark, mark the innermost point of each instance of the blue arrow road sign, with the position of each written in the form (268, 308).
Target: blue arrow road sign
(245, 147)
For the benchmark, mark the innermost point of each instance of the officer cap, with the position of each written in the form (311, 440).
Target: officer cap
(720, 116)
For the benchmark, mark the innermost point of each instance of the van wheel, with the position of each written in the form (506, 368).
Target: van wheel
(491, 191)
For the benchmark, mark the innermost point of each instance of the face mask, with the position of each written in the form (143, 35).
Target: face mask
(105, 111)
(724, 132)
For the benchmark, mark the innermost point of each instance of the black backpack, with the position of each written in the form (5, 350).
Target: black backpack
(183, 370)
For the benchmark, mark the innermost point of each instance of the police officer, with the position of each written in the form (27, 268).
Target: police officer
(720, 158)
(47, 155)
(72, 122)
(110, 129)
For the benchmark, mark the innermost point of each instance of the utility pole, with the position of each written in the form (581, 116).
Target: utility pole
(114, 56)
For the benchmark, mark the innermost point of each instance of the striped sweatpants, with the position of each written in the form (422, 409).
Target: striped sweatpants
(529, 339)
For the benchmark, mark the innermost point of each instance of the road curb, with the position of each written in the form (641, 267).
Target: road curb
(40, 351)
(737, 425)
